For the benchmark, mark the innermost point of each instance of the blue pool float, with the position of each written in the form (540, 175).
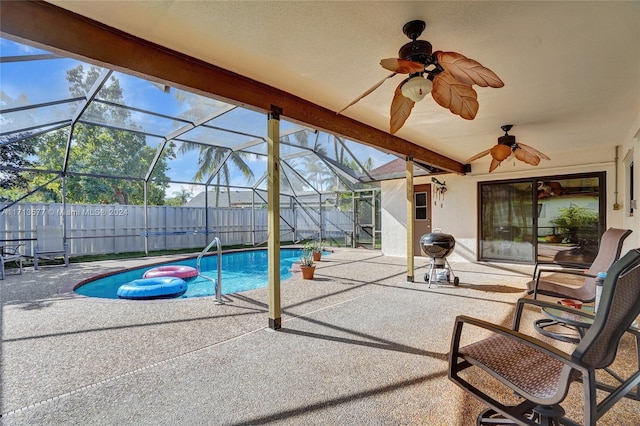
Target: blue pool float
(153, 288)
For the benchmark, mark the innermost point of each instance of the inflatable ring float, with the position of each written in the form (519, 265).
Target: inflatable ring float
(178, 271)
(153, 288)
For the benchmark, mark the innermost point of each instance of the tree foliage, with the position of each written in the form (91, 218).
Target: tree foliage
(577, 223)
(180, 198)
(99, 152)
(14, 155)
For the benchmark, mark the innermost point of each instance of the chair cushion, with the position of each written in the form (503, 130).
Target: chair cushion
(529, 370)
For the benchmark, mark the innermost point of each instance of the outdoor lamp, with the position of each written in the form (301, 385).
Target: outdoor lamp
(417, 88)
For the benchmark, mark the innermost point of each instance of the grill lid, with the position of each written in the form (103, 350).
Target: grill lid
(437, 244)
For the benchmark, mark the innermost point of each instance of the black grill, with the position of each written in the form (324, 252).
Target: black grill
(438, 246)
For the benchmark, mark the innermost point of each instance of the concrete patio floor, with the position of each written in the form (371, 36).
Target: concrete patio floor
(358, 345)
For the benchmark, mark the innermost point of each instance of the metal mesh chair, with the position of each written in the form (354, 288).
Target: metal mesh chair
(10, 253)
(540, 373)
(609, 251)
(50, 244)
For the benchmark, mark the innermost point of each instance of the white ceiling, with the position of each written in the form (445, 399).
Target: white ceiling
(571, 69)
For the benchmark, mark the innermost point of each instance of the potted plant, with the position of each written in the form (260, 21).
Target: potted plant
(307, 265)
(316, 247)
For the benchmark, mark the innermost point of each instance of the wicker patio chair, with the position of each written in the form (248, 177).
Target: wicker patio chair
(609, 251)
(540, 373)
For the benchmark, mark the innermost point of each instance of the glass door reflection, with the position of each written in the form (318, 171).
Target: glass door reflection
(568, 219)
(506, 220)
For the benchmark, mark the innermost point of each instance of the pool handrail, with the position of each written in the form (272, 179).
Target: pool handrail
(218, 283)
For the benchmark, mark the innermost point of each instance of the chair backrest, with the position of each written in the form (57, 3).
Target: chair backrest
(619, 307)
(50, 239)
(608, 252)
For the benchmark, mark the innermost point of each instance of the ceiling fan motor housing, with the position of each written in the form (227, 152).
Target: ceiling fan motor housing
(416, 51)
(507, 140)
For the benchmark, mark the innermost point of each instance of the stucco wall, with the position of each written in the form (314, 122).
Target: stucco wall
(394, 218)
(631, 148)
(458, 213)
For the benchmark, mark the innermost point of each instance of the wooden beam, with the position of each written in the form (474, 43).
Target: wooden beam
(410, 219)
(273, 217)
(60, 31)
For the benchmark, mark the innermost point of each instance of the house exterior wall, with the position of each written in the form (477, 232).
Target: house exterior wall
(631, 147)
(456, 213)
(394, 217)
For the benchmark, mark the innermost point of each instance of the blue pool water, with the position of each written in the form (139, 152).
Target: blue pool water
(241, 271)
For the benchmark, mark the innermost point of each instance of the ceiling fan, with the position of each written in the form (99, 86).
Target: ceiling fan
(448, 76)
(506, 146)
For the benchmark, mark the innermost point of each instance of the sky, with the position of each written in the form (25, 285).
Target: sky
(30, 82)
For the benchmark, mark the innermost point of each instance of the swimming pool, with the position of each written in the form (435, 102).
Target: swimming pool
(241, 271)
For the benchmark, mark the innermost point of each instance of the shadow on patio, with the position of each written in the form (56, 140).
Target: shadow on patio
(358, 345)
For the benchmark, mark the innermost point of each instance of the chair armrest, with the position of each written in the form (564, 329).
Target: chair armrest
(540, 271)
(580, 272)
(11, 250)
(557, 267)
(524, 339)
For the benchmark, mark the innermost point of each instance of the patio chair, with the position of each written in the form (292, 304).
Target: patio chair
(10, 253)
(609, 251)
(540, 373)
(50, 244)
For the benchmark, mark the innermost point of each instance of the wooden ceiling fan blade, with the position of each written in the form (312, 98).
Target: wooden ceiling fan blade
(374, 87)
(479, 155)
(401, 107)
(458, 97)
(500, 152)
(467, 70)
(533, 151)
(494, 164)
(527, 157)
(401, 66)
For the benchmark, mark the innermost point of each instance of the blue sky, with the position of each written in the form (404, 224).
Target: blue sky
(42, 81)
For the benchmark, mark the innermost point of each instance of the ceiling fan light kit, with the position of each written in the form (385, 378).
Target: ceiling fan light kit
(416, 88)
(448, 76)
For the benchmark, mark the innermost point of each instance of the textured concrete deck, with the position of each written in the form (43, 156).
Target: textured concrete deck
(359, 345)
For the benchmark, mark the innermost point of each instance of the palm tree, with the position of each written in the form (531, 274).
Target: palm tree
(210, 157)
(315, 171)
(182, 196)
(312, 168)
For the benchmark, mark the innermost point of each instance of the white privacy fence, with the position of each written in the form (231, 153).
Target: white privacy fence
(102, 228)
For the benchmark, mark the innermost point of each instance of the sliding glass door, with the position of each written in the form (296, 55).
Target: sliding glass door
(506, 221)
(553, 219)
(570, 218)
